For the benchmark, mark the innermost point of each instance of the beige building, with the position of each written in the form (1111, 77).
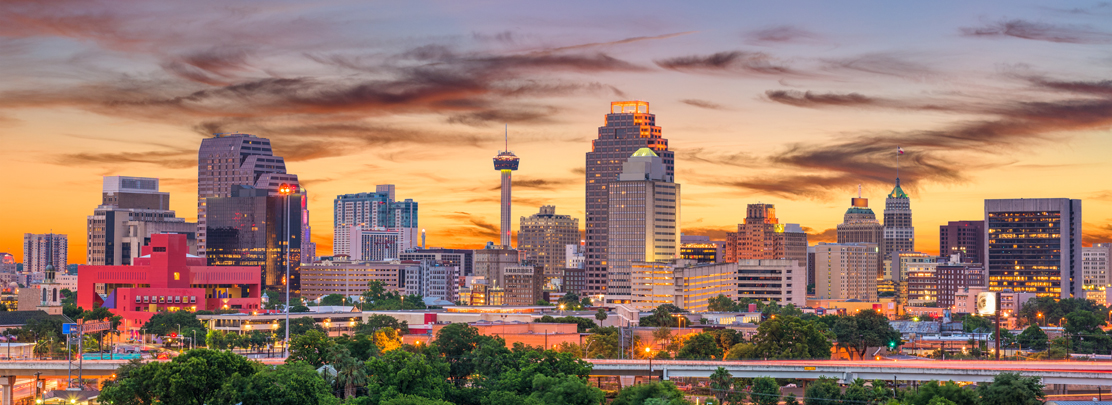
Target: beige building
(859, 225)
(965, 301)
(339, 275)
(521, 285)
(683, 283)
(544, 237)
(1095, 263)
(846, 271)
(782, 281)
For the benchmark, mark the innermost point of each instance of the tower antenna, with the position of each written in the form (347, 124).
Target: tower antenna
(898, 150)
(859, 190)
(508, 146)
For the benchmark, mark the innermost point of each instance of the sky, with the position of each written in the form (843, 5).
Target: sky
(795, 104)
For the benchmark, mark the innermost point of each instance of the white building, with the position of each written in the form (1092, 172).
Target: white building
(782, 281)
(365, 243)
(683, 283)
(1094, 264)
(846, 271)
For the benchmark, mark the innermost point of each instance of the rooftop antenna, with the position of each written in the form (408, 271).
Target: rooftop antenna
(508, 142)
(859, 190)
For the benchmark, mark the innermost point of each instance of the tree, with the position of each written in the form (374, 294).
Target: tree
(1012, 389)
(288, 384)
(195, 377)
(863, 330)
(701, 346)
(163, 323)
(721, 303)
(399, 372)
(726, 338)
(1033, 338)
(823, 391)
(311, 348)
(332, 299)
(455, 342)
(349, 371)
(571, 302)
(376, 322)
(604, 343)
(298, 326)
(662, 393)
(723, 388)
(785, 337)
(971, 323)
(387, 339)
(934, 389)
(299, 309)
(790, 398)
(413, 400)
(564, 389)
(134, 384)
(765, 391)
(273, 300)
(600, 315)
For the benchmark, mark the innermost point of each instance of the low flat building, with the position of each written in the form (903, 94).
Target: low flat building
(341, 275)
(781, 281)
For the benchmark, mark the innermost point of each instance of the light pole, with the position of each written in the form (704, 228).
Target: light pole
(180, 347)
(648, 353)
(285, 190)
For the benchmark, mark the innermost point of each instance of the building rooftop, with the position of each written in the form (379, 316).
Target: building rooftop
(898, 191)
(644, 152)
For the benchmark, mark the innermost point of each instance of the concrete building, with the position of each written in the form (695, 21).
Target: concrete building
(250, 228)
(628, 127)
(683, 283)
(966, 238)
(367, 243)
(462, 258)
(643, 220)
(859, 225)
(341, 275)
(43, 249)
(575, 280)
(899, 231)
(702, 252)
(373, 210)
(226, 161)
(919, 285)
(955, 275)
(521, 285)
(167, 278)
(432, 280)
(131, 210)
(505, 162)
(1034, 246)
(795, 244)
(846, 271)
(575, 256)
(1095, 262)
(7, 263)
(810, 265)
(781, 281)
(544, 237)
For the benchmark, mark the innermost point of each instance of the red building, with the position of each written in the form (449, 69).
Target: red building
(167, 278)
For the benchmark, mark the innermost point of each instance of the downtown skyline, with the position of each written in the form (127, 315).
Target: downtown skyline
(781, 107)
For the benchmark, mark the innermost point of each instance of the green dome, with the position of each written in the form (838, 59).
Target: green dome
(897, 192)
(859, 210)
(644, 152)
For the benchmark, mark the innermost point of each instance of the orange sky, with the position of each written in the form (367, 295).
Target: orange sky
(775, 107)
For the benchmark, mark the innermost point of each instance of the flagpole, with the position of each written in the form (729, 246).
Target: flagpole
(897, 162)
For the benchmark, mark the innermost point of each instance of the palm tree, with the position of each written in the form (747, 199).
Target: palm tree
(349, 371)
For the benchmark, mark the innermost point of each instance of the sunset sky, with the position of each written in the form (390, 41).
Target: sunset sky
(787, 103)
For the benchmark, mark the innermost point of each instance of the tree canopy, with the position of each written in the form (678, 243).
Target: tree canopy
(863, 330)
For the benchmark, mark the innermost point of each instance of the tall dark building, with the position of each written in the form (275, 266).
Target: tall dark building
(629, 127)
(250, 228)
(899, 233)
(965, 238)
(1034, 246)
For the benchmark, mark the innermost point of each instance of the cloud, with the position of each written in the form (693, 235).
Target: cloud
(178, 159)
(713, 233)
(472, 226)
(1100, 88)
(828, 235)
(809, 99)
(780, 34)
(1094, 233)
(1102, 195)
(546, 184)
(217, 67)
(887, 64)
(703, 104)
(738, 159)
(736, 62)
(620, 42)
(1039, 32)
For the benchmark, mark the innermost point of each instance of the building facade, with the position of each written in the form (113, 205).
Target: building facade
(462, 258)
(251, 228)
(44, 249)
(226, 161)
(846, 271)
(966, 238)
(1094, 264)
(1034, 246)
(683, 283)
(899, 231)
(131, 210)
(544, 237)
(954, 276)
(643, 220)
(341, 275)
(859, 225)
(628, 127)
(373, 210)
(781, 281)
(521, 285)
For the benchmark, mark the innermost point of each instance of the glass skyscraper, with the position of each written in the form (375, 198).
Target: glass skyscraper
(250, 228)
(1034, 246)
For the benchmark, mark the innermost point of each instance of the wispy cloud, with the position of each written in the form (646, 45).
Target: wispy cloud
(703, 104)
(779, 35)
(169, 159)
(735, 62)
(1039, 32)
(829, 235)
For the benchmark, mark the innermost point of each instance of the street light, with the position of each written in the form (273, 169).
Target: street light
(648, 353)
(285, 190)
(179, 338)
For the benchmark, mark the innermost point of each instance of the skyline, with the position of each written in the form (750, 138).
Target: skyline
(760, 104)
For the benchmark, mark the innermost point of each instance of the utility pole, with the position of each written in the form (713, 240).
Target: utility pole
(998, 326)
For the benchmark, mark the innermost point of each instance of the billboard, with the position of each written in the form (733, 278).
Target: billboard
(986, 303)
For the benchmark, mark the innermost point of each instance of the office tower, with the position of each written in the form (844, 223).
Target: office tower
(544, 237)
(251, 227)
(643, 220)
(683, 283)
(966, 238)
(955, 275)
(462, 258)
(859, 225)
(373, 210)
(760, 237)
(229, 160)
(1034, 246)
(521, 285)
(781, 281)
(1095, 264)
(729, 254)
(795, 244)
(43, 249)
(131, 210)
(846, 271)
(899, 233)
(506, 162)
(810, 265)
(491, 266)
(628, 127)
(373, 243)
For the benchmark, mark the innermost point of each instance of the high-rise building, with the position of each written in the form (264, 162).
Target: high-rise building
(7, 263)
(44, 249)
(760, 237)
(131, 210)
(859, 225)
(700, 249)
(1034, 246)
(462, 258)
(643, 220)
(1095, 263)
(367, 243)
(544, 237)
(795, 244)
(628, 127)
(229, 160)
(846, 271)
(965, 238)
(251, 228)
(377, 210)
(521, 285)
(683, 283)
(506, 162)
(899, 233)
(780, 280)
